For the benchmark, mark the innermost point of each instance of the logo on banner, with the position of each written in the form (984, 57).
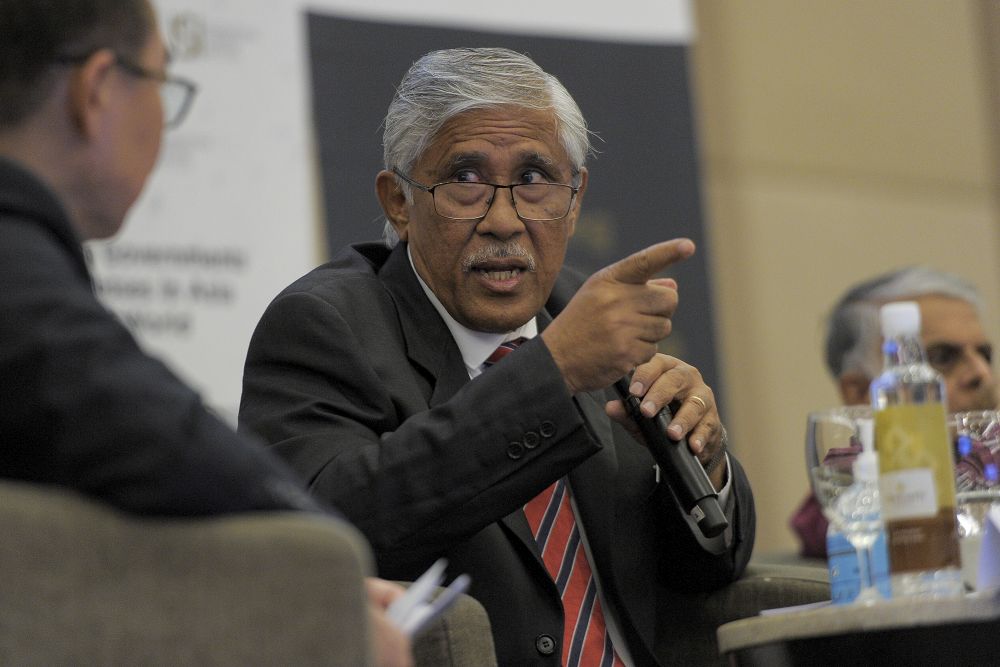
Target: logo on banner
(186, 35)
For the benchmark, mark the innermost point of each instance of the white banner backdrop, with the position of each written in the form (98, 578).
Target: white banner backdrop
(231, 214)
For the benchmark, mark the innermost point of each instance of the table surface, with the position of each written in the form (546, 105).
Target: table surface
(846, 619)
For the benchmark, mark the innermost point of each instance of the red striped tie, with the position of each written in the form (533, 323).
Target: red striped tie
(503, 350)
(586, 640)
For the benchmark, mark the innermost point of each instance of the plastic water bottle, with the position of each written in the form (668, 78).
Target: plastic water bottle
(916, 466)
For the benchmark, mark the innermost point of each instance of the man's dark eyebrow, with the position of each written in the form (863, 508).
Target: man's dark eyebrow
(468, 159)
(948, 345)
(478, 159)
(537, 158)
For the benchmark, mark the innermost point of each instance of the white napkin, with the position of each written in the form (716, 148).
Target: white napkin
(988, 573)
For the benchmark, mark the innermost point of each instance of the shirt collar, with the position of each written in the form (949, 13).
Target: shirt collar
(475, 346)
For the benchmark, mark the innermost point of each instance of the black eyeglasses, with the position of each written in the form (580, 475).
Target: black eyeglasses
(176, 93)
(945, 356)
(535, 202)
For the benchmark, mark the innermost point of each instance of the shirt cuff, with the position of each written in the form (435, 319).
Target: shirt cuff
(726, 490)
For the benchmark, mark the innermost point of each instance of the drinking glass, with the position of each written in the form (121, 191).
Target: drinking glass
(833, 436)
(976, 436)
(833, 442)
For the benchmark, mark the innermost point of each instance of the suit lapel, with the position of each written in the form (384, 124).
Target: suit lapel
(430, 346)
(429, 343)
(517, 527)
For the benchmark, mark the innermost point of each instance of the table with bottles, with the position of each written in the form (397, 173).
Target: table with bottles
(946, 631)
(908, 493)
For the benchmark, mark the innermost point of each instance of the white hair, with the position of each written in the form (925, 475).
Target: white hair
(443, 84)
(853, 332)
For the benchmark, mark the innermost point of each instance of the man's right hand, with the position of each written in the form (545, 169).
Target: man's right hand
(390, 646)
(617, 318)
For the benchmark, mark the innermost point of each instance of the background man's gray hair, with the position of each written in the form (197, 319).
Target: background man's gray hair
(444, 84)
(853, 337)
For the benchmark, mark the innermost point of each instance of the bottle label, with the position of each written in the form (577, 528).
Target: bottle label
(921, 545)
(842, 560)
(917, 487)
(845, 579)
(908, 494)
(916, 436)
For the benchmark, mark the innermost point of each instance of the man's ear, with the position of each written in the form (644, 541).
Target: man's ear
(854, 388)
(574, 212)
(393, 201)
(89, 93)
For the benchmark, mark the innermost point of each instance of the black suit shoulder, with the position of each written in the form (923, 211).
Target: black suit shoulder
(85, 407)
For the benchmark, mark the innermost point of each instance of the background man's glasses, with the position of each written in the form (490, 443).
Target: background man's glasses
(536, 202)
(945, 356)
(176, 93)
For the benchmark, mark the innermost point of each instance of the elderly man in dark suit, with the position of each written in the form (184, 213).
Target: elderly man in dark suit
(448, 389)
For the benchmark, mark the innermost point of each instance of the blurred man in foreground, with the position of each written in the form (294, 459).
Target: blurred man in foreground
(84, 97)
(953, 336)
(449, 392)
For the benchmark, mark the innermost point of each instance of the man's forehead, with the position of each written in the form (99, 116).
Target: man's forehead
(504, 122)
(949, 319)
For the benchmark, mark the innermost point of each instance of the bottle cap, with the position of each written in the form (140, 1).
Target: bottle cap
(900, 318)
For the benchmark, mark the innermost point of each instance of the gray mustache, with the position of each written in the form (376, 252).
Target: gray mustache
(498, 251)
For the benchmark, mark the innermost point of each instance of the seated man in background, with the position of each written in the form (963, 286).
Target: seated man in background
(953, 336)
(81, 406)
(379, 377)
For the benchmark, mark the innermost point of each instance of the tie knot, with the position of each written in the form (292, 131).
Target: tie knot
(505, 348)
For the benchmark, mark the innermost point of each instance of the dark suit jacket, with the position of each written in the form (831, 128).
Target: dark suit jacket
(82, 406)
(354, 378)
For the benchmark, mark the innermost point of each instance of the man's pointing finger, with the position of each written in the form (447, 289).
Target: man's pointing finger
(646, 263)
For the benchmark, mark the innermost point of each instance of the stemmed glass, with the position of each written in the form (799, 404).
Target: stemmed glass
(850, 503)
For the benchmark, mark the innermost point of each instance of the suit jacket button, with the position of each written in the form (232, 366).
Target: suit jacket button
(531, 440)
(547, 429)
(515, 450)
(545, 644)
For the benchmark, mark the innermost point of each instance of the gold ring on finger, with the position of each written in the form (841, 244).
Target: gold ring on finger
(704, 405)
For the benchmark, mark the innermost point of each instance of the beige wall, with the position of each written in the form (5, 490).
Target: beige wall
(839, 139)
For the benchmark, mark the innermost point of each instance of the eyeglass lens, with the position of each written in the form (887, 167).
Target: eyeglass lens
(174, 97)
(533, 201)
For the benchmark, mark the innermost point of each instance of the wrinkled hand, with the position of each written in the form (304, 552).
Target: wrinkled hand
(614, 322)
(663, 379)
(391, 646)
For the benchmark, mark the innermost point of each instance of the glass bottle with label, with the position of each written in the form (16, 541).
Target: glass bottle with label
(916, 466)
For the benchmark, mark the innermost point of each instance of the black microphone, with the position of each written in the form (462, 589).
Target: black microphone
(683, 472)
